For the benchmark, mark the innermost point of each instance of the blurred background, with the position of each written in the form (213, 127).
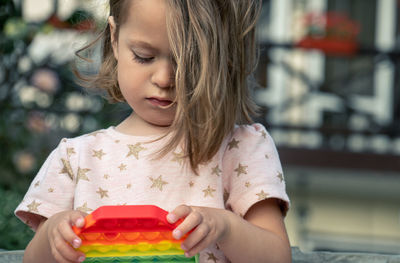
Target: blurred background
(328, 89)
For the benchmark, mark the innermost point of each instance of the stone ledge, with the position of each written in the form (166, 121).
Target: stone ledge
(298, 257)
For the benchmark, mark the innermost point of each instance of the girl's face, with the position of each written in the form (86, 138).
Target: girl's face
(145, 69)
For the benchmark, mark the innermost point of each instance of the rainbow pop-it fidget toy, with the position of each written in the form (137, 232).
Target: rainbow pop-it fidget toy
(131, 233)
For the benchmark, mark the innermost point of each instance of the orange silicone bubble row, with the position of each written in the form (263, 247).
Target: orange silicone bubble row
(127, 237)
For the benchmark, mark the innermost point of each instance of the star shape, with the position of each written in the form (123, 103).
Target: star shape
(37, 183)
(280, 176)
(191, 184)
(178, 157)
(233, 144)
(102, 192)
(70, 151)
(159, 183)
(212, 257)
(67, 169)
(266, 156)
(116, 141)
(99, 154)
(106, 176)
(95, 133)
(264, 134)
(135, 149)
(122, 167)
(50, 190)
(82, 174)
(128, 186)
(216, 171)
(84, 208)
(209, 191)
(247, 184)
(262, 195)
(241, 169)
(33, 207)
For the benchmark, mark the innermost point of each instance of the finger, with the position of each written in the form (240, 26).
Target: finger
(190, 222)
(178, 213)
(199, 234)
(65, 253)
(66, 232)
(77, 218)
(67, 235)
(203, 244)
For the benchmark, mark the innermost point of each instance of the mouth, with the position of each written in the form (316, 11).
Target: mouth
(160, 102)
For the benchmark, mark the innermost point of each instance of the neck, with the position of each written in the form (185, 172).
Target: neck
(134, 125)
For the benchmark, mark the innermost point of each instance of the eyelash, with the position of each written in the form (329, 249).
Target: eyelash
(140, 59)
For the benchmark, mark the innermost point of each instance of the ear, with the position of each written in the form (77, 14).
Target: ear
(114, 42)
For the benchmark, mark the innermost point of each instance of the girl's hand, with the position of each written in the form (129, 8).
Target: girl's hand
(62, 238)
(209, 225)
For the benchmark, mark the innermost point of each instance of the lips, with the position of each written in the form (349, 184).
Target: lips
(159, 102)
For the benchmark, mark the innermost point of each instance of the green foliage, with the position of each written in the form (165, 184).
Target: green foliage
(14, 234)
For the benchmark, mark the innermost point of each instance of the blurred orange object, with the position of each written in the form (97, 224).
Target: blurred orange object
(332, 33)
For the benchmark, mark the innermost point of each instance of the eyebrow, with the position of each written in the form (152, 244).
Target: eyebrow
(142, 44)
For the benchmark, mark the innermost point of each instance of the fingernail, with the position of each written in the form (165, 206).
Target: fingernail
(177, 234)
(81, 258)
(80, 222)
(76, 242)
(183, 247)
(171, 218)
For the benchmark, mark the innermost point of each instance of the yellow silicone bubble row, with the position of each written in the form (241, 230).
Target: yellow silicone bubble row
(141, 249)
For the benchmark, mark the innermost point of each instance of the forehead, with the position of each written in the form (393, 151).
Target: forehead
(145, 16)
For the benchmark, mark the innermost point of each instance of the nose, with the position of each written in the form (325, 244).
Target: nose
(163, 76)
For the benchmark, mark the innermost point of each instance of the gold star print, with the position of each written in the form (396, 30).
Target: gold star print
(135, 149)
(216, 171)
(84, 208)
(33, 207)
(50, 190)
(262, 195)
(209, 191)
(241, 169)
(191, 184)
(212, 257)
(178, 157)
(98, 154)
(82, 174)
(264, 134)
(67, 169)
(116, 141)
(37, 183)
(266, 156)
(102, 192)
(159, 183)
(95, 133)
(122, 167)
(106, 176)
(233, 144)
(70, 151)
(128, 186)
(247, 184)
(280, 176)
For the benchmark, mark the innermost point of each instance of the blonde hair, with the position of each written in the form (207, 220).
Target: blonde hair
(213, 45)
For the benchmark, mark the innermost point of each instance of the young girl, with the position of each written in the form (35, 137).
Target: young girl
(182, 66)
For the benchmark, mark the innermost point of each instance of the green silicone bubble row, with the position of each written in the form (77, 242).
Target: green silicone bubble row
(144, 259)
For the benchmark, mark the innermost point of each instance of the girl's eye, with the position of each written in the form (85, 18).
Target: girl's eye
(141, 60)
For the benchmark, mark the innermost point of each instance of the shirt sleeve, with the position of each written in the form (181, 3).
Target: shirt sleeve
(252, 170)
(52, 190)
